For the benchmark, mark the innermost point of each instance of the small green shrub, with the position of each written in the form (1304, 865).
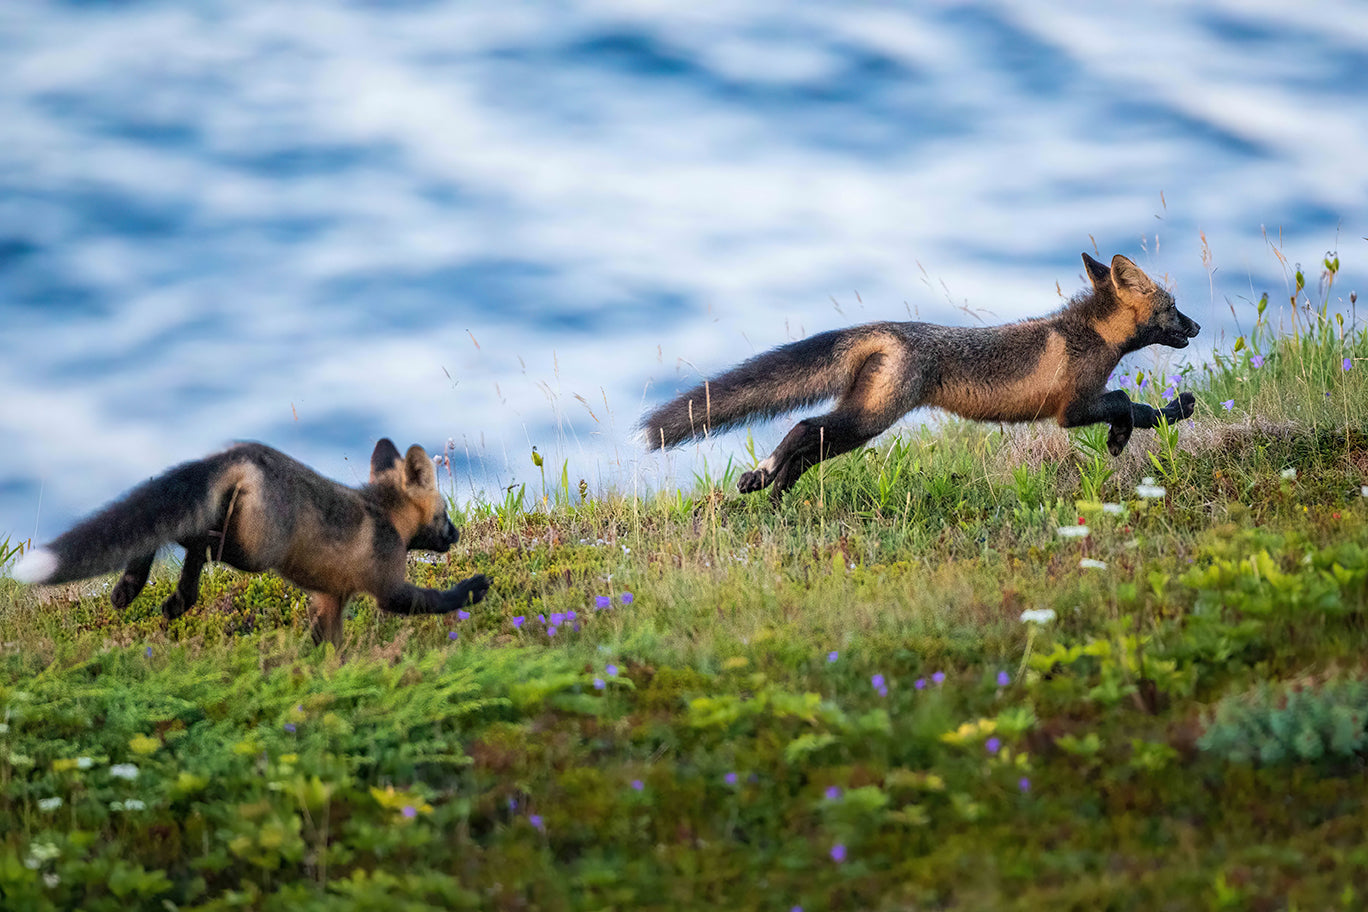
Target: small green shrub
(1290, 722)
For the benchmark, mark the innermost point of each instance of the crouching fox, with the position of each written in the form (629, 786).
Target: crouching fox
(1048, 367)
(254, 508)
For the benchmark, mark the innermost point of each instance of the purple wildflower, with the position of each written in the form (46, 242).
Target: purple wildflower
(920, 683)
(541, 618)
(833, 792)
(626, 598)
(1348, 363)
(1024, 784)
(463, 615)
(1256, 361)
(570, 615)
(993, 745)
(838, 853)
(536, 821)
(602, 601)
(878, 682)
(939, 677)
(1003, 679)
(453, 635)
(518, 621)
(1228, 404)
(730, 778)
(149, 652)
(599, 683)
(290, 727)
(409, 811)
(557, 617)
(638, 785)
(551, 631)
(1125, 379)
(833, 656)
(612, 671)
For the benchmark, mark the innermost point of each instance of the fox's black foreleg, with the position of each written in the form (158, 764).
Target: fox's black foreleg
(411, 599)
(1116, 408)
(132, 582)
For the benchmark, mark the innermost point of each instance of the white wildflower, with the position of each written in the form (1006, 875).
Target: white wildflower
(1037, 615)
(124, 771)
(1289, 474)
(51, 880)
(1364, 490)
(50, 804)
(135, 804)
(84, 763)
(1089, 563)
(4, 726)
(39, 853)
(1114, 509)
(1148, 489)
(1072, 531)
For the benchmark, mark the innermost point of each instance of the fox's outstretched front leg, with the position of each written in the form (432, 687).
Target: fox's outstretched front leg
(411, 599)
(1116, 409)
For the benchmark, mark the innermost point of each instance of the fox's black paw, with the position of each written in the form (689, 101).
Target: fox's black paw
(1117, 438)
(476, 587)
(174, 606)
(124, 592)
(753, 481)
(1180, 408)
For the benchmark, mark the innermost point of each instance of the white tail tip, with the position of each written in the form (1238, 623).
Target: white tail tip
(35, 566)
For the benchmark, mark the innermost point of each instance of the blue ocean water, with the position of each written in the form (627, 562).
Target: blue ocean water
(487, 227)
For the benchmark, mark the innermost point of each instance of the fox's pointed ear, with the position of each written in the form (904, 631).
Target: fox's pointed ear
(1098, 273)
(418, 468)
(1127, 275)
(385, 456)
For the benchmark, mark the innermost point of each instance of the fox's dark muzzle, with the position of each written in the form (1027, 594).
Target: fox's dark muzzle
(1177, 333)
(438, 535)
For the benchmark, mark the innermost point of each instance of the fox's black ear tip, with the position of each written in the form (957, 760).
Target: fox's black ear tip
(385, 452)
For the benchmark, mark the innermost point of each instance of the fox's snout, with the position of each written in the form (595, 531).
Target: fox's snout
(1176, 329)
(438, 535)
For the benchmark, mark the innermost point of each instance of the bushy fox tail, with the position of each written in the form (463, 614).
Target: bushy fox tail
(171, 506)
(791, 376)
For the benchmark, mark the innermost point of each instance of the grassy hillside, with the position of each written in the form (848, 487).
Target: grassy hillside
(967, 669)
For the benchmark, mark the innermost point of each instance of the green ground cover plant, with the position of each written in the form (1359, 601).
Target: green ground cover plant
(969, 668)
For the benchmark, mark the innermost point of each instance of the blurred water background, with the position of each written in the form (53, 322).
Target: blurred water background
(508, 225)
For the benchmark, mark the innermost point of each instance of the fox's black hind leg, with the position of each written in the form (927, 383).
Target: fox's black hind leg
(132, 582)
(811, 441)
(187, 588)
(868, 408)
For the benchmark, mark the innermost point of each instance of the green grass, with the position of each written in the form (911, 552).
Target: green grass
(835, 705)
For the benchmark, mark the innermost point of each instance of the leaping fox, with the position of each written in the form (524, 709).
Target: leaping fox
(254, 508)
(1047, 367)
